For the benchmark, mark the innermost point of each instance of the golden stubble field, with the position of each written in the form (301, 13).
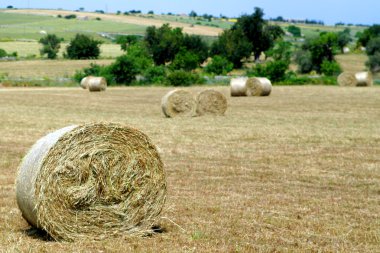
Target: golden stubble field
(298, 171)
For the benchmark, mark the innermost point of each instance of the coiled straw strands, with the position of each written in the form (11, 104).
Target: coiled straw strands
(210, 102)
(178, 103)
(258, 86)
(92, 182)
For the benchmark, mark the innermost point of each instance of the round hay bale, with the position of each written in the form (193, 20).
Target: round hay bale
(364, 79)
(84, 82)
(211, 102)
(258, 86)
(238, 86)
(92, 181)
(96, 83)
(355, 79)
(178, 103)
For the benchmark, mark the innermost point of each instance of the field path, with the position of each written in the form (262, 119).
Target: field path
(187, 28)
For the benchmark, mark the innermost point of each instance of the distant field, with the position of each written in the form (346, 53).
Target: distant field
(130, 24)
(37, 69)
(25, 49)
(352, 62)
(298, 171)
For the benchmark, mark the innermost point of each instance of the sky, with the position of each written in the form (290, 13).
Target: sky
(329, 11)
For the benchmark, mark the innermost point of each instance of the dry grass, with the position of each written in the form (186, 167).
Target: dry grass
(46, 68)
(352, 62)
(298, 171)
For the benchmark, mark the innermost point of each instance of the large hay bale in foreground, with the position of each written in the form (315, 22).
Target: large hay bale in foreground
(178, 103)
(95, 83)
(210, 102)
(238, 86)
(258, 86)
(92, 182)
(355, 79)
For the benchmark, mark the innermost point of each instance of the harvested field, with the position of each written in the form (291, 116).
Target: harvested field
(46, 68)
(297, 171)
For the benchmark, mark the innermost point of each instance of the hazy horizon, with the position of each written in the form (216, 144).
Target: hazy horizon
(330, 12)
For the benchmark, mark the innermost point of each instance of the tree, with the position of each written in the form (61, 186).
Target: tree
(163, 43)
(185, 60)
(344, 37)
(295, 30)
(368, 34)
(280, 52)
(233, 45)
(50, 46)
(261, 35)
(193, 14)
(83, 47)
(126, 40)
(124, 69)
(219, 65)
(319, 49)
(196, 45)
(373, 52)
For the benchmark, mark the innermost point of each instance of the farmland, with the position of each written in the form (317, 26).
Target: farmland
(296, 171)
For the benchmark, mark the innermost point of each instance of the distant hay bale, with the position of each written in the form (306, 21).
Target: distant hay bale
(92, 181)
(238, 86)
(355, 79)
(210, 102)
(258, 86)
(84, 82)
(178, 103)
(95, 83)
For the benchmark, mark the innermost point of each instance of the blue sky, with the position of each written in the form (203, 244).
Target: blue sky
(329, 11)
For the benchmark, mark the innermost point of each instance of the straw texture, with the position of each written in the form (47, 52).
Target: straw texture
(178, 103)
(258, 86)
(210, 102)
(96, 83)
(92, 182)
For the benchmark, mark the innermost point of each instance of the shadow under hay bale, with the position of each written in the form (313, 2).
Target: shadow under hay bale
(210, 102)
(178, 103)
(358, 79)
(92, 182)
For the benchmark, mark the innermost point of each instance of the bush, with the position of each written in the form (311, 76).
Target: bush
(374, 62)
(50, 46)
(139, 53)
(330, 68)
(185, 60)
(303, 60)
(3, 53)
(94, 70)
(219, 66)
(274, 71)
(155, 74)
(183, 78)
(71, 16)
(83, 47)
(124, 70)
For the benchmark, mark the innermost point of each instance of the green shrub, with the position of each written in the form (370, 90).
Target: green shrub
(183, 78)
(124, 70)
(155, 74)
(71, 16)
(83, 47)
(274, 71)
(185, 60)
(94, 70)
(330, 68)
(3, 53)
(374, 62)
(219, 65)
